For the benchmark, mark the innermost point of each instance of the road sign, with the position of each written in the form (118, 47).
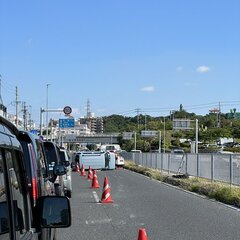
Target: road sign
(149, 133)
(127, 135)
(181, 124)
(66, 123)
(67, 110)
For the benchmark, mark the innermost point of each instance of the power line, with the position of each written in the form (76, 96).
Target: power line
(207, 106)
(8, 87)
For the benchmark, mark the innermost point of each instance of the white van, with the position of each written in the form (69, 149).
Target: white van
(136, 151)
(67, 178)
(110, 148)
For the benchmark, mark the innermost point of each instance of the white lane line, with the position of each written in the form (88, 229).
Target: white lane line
(96, 197)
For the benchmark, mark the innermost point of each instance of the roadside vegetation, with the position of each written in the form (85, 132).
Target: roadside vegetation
(221, 192)
(212, 127)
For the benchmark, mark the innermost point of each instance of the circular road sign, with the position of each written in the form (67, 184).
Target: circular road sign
(67, 110)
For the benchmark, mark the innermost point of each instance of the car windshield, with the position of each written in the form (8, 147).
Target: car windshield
(110, 148)
(50, 154)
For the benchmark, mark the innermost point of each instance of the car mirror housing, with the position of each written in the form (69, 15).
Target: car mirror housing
(52, 212)
(66, 163)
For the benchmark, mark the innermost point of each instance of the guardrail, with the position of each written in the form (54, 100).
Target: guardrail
(213, 166)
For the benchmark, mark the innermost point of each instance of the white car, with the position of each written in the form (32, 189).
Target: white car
(119, 162)
(67, 178)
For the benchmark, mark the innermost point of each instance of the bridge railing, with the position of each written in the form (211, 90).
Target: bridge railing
(213, 166)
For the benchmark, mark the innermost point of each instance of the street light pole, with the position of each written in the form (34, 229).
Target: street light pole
(164, 135)
(159, 144)
(47, 112)
(196, 140)
(135, 140)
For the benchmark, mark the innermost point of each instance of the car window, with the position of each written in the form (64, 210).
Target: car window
(4, 216)
(27, 160)
(42, 166)
(17, 192)
(62, 156)
(50, 154)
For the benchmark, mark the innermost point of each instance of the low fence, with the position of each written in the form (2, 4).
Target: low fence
(213, 166)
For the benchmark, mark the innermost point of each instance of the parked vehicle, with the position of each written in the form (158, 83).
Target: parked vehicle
(67, 178)
(119, 160)
(110, 147)
(18, 220)
(96, 159)
(37, 176)
(178, 151)
(52, 152)
(136, 151)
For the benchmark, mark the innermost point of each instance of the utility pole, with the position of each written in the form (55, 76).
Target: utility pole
(164, 134)
(24, 116)
(196, 138)
(135, 140)
(28, 117)
(1, 101)
(160, 141)
(47, 113)
(138, 117)
(16, 120)
(145, 122)
(219, 116)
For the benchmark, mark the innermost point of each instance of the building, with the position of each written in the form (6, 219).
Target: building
(95, 124)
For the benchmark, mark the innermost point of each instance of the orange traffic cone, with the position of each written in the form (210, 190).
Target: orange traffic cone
(95, 183)
(90, 173)
(83, 171)
(142, 235)
(106, 196)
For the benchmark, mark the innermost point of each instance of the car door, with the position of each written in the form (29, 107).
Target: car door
(15, 213)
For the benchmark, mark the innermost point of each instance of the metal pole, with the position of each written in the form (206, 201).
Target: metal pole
(47, 112)
(17, 107)
(231, 171)
(135, 140)
(164, 134)
(51, 130)
(159, 144)
(41, 111)
(212, 168)
(196, 141)
(169, 163)
(198, 166)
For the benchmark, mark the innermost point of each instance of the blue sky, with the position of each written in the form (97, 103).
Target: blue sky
(121, 55)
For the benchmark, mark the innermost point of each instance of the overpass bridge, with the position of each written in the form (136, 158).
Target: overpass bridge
(93, 139)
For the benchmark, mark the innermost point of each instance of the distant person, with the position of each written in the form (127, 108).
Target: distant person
(107, 160)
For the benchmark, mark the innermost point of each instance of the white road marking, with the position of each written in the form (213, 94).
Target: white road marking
(96, 197)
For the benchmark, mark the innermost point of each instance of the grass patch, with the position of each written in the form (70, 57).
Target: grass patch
(221, 192)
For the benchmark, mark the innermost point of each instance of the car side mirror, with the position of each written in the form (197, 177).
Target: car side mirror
(52, 212)
(66, 163)
(59, 170)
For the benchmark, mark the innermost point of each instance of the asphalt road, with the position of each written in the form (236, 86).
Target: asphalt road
(139, 202)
